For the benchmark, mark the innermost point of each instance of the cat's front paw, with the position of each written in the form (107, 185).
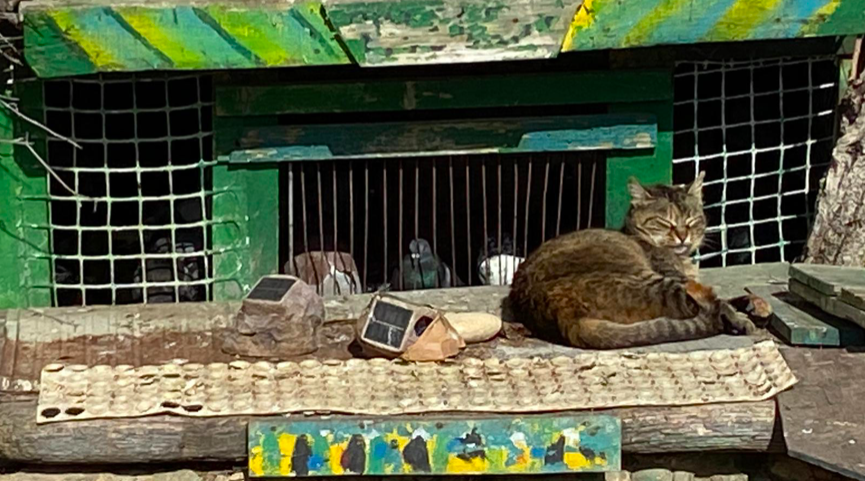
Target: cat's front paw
(735, 322)
(703, 294)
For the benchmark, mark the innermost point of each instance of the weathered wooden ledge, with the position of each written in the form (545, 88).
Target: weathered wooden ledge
(746, 426)
(152, 334)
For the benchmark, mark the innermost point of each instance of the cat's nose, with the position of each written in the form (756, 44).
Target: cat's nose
(681, 235)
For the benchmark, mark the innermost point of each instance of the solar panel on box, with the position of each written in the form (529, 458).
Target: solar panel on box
(393, 328)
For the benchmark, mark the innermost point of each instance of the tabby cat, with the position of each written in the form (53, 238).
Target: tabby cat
(607, 289)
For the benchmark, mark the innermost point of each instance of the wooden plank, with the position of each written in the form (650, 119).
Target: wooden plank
(383, 95)
(854, 296)
(603, 24)
(821, 417)
(801, 324)
(341, 141)
(415, 32)
(746, 426)
(829, 304)
(82, 39)
(552, 443)
(827, 279)
(75, 39)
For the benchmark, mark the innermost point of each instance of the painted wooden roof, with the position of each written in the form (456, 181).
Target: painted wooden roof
(71, 38)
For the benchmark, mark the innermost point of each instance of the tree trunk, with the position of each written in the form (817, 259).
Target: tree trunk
(838, 237)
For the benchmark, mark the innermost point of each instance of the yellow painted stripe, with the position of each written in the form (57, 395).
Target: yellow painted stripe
(742, 17)
(142, 20)
(68, 24)
(639, 33)
(257, 38)
(819, 17)
(583, 19)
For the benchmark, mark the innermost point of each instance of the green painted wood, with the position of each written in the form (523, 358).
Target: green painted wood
(74, 39)
(245, 228)
(828, 279)
(828, 303)
(25, 273)
(853, 296)
(377, 140)
(82, 39)
(800, 324)
(435, 445)
(650, 167)
(517, 90)
(609, 24)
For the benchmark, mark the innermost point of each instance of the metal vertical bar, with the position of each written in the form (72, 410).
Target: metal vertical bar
(544, 207)
(516, 206)
(291, 255)
(337, 289)
(592, 191)
(355, 289)
(365, 222)
(306, 249)
(399, 228)
(468, 222)
(527, 215)
(318, 190)
(434, 221)
(416, 207)
(484, 191)
(579, 191)
(499, 219)
(384, 214)
(561, 194)
(453, 220)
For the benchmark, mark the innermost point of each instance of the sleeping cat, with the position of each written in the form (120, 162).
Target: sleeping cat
(607, 289)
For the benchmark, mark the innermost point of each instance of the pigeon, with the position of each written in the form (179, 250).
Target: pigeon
(421, 269)
(496, 266)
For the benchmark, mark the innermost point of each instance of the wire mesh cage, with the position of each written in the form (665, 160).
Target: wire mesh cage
(763, 133)
(136, 225)
(415, 223)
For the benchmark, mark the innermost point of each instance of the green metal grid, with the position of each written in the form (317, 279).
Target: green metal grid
(140, 188)
(763, 131)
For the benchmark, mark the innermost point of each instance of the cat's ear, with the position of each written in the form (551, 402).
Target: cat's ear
(639, 194)
(695, 188)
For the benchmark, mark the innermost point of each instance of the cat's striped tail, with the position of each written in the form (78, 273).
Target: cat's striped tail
(601, 334)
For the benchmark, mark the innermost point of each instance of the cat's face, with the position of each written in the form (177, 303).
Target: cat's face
(668, 216)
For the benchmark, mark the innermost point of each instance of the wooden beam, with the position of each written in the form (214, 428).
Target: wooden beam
(384, 95)
(829, 304)
(612, 24)
(828, 279)
(854, 296)
(746, 426)
(800, 324)
(76, 40)
(64, 39)
(314, 142)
